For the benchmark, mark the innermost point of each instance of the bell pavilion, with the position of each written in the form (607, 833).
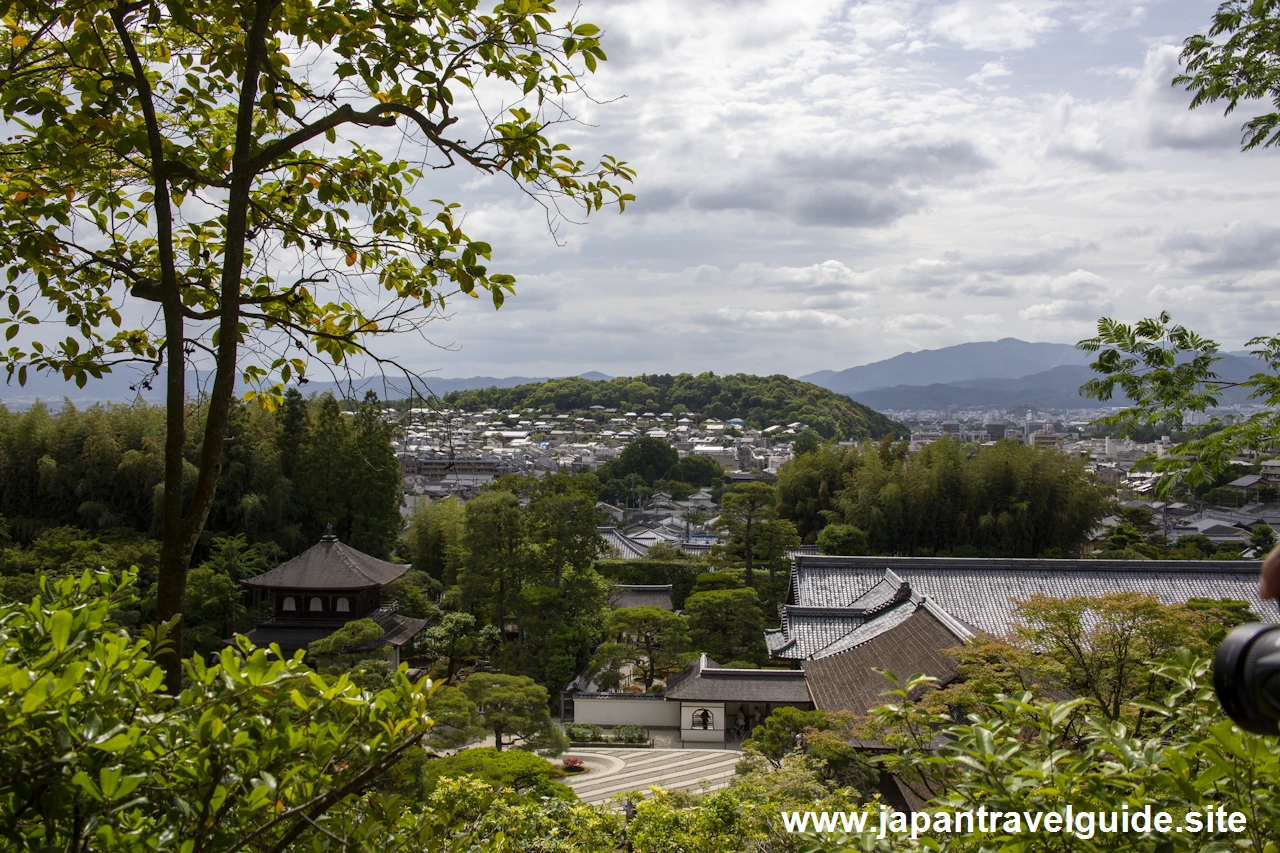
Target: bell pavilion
(322, 589)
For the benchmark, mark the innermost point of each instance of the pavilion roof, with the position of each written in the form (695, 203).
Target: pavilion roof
(329, 564)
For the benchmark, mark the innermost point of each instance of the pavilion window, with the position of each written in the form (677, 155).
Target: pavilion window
(288, 605)
(344, 605)
(317, 606)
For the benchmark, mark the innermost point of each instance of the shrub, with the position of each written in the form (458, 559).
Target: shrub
(582, 733)
(523, 772)
(572, 765)
(631, 734)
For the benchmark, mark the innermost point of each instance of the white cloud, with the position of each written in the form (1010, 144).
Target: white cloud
(1068, 309)
(994, 24)
(919, 322)
(989, 71)
(849, 180)
(785, 320)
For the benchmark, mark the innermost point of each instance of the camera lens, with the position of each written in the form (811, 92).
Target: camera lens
(1246, 677)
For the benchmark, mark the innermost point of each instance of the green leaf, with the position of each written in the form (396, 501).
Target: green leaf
(115, 743)
(60, 629)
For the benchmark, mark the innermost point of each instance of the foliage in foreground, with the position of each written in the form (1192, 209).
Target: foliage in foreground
(1167, 370)
(261, 754)
(1012, 757)
(257, 753)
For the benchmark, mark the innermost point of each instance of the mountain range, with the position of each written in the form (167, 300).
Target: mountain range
(124, 387)
(1001, 374)
(1007, 358)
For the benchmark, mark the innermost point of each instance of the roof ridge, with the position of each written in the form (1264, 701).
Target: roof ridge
(814, 654)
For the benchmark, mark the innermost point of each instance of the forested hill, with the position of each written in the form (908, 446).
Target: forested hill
(761, 401)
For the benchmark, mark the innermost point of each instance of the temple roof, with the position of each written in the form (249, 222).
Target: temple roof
(982, 592)
(706, 681)
(329, 564)
(641, 595)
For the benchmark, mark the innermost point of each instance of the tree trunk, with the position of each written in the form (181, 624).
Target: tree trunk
(497, 739)
(182, 529)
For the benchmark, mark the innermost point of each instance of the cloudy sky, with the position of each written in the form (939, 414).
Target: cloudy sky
(824, 184)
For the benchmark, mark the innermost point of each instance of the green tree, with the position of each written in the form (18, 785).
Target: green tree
(375, 485)
(807, 488)
(651, 458)
(842, 540)
(781, 732)
(526, 775)
(460, 640)
(808, 441)
(353, 636)
(491, 572)
(292, 428)
(455, 721)
(1102, 647)
(649, 640)
(741, 511)
(1238, 60)
(435, 535)
(1167, 371)
(214, 605)
(561, 530)
(147, 106)
(513, 705)
(727, 624)
(1263, 538)
(699, 471)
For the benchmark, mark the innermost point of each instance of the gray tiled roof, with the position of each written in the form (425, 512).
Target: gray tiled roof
(848, 681)
(981, 592)
(398, 629)
(642, 595)
(622, 546)
(329, 564)
(805, 630)
(704, 681)
(884, 622)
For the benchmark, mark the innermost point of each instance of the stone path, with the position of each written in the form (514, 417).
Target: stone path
(613, 771)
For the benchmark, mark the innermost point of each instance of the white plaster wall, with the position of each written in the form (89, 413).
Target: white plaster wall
(702, 735)
(626, 712)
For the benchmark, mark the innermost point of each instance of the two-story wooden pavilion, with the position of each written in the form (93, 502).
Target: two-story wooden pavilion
(322, 589)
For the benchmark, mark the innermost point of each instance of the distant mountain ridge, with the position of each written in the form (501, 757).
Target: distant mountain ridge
(115, 387)
(1007, 358)
(1056, 388)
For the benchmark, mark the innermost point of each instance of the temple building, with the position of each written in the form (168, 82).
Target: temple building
(322, 589)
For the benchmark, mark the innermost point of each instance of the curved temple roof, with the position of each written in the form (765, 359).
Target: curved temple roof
(329, 564)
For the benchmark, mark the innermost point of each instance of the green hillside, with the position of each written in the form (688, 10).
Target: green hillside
(761, 401)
